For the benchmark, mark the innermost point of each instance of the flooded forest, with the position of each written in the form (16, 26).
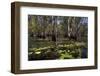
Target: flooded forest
(57, 37)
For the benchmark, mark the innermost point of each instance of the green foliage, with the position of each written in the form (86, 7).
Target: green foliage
(66, 51)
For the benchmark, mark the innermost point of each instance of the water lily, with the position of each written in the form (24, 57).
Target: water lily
(37, 52)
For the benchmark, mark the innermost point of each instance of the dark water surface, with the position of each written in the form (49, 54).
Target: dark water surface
(84, 53)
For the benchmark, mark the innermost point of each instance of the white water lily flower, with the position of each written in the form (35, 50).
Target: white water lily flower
(37, 52)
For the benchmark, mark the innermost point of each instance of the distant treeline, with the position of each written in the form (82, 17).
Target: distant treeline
(57, 27)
